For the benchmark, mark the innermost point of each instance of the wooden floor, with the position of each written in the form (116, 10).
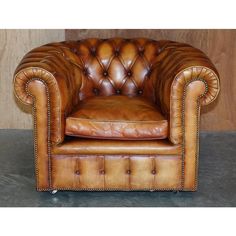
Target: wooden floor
(217, 178)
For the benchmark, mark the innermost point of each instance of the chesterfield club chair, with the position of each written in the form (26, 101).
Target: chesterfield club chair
(116, 114)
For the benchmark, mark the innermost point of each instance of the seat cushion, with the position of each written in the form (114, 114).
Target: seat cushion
(117, 117)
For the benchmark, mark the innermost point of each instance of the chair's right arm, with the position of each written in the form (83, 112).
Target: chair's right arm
(46, 79)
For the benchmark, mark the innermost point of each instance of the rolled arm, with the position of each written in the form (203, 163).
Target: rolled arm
(181, 65)
(50, 64)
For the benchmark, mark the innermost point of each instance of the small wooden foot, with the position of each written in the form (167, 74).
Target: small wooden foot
(53, 191)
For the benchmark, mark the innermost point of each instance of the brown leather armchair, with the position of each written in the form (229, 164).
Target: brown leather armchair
(116, 114)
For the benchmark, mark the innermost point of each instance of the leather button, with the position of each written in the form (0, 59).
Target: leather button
(105, 73)
(118, 91)
(74, 50)
(149, 72)
(154, 172)
(93, 51)
(129, 73)
(85, 71)
(158, 51)
(140, 92)
(141, 51)
(117, 53)
(128, 172)
(77, 172)
(95, 91)
(102, 172)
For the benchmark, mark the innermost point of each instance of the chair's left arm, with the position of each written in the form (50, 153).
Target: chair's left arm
(186, 80)
(185, 73)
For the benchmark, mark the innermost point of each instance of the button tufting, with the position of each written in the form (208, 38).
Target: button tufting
(118, 91)
(77, 172)
(140, 92)
(128, 172)
(96, 91)
(100, 65)
(154, 172)
(102, 172)
(105, 73)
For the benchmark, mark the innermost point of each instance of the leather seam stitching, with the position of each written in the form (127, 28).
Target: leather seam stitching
(197, 134)
(36, 132)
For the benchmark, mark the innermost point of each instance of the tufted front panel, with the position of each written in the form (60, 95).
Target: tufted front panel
(116, 172)
(116, 66)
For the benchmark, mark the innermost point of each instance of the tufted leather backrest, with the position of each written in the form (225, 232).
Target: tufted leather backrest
(116, 66)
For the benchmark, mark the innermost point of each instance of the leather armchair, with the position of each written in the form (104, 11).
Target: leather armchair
(116, 114)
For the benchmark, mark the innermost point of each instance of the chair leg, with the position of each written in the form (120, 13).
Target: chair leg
(53, 191)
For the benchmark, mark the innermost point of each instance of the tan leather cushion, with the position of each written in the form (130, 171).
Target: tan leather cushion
(117, 117)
